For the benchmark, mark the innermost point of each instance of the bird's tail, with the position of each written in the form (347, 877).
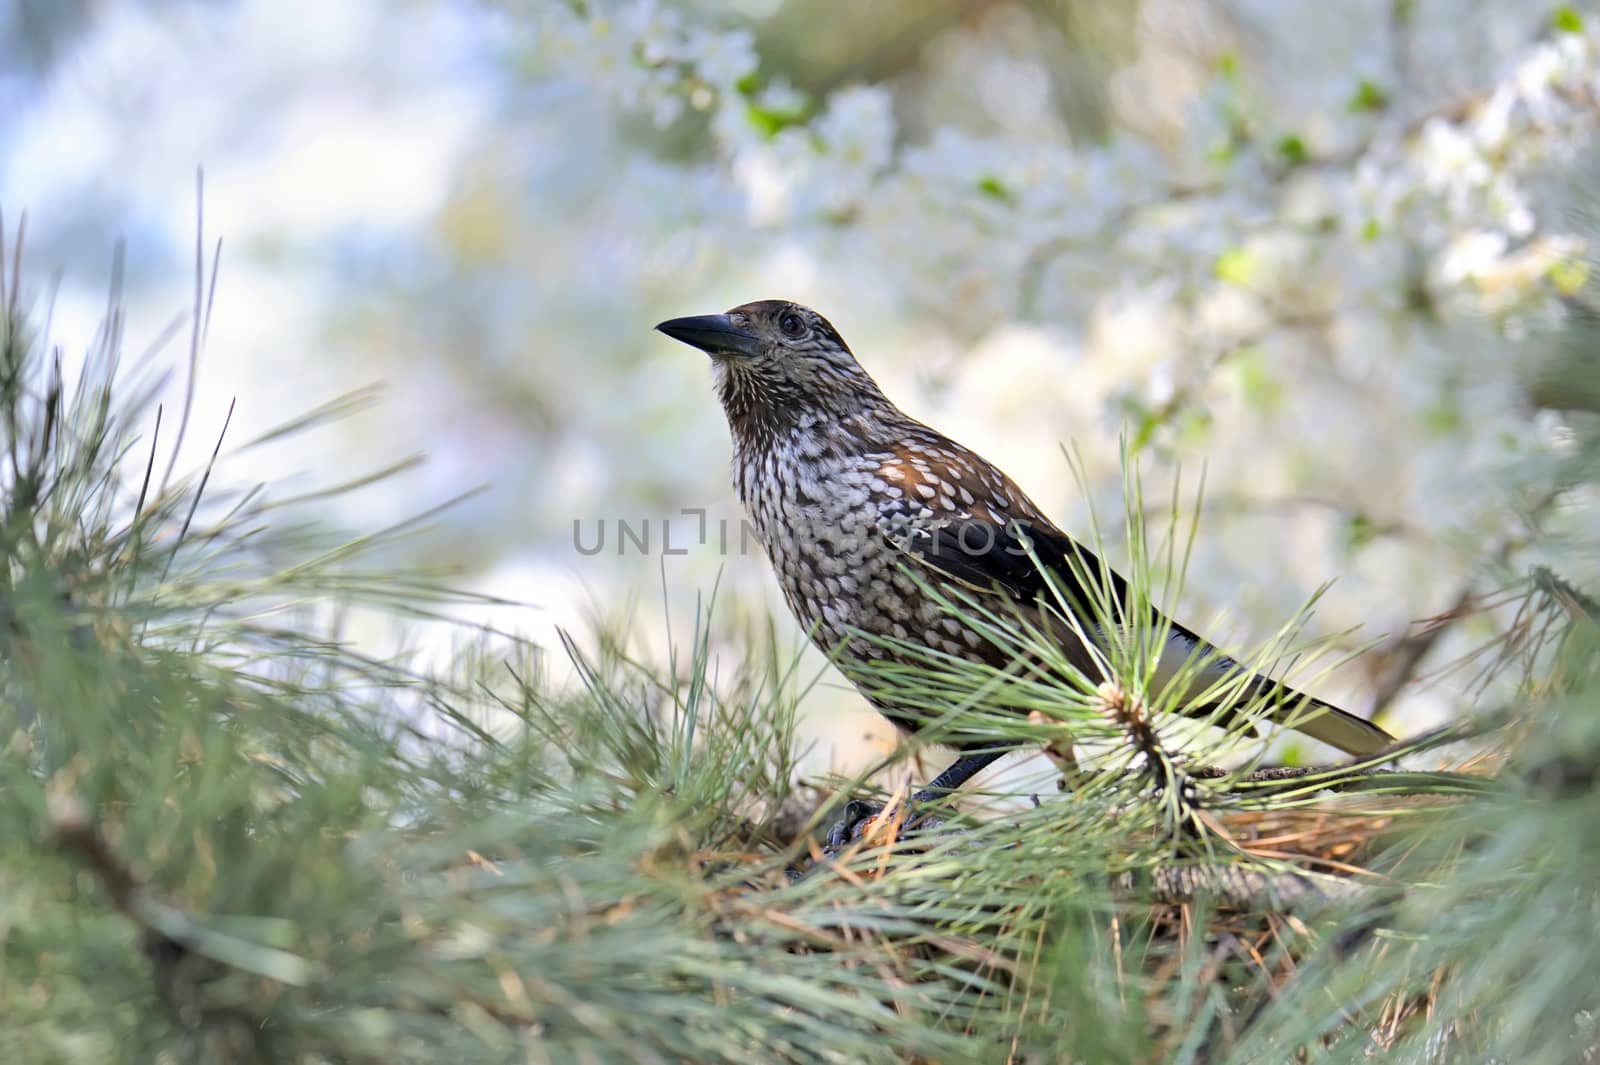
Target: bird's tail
(1274, 701)
(1322, 721)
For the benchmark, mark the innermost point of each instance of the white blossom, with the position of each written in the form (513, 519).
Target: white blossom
(857, 134)
(1471, 256)
(722, 58)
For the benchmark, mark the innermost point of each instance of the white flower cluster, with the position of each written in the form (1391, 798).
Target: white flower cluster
(644, 55)
(986, 228)
(1458, 182)
(1247, 230)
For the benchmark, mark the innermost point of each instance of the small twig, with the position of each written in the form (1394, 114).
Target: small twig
(69, 817)
(1361, 777)
(171, 932)
(1407, 654)
(1402, 22)
(1573, 601)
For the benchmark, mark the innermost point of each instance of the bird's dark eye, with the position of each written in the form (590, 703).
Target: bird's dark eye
(791, 325)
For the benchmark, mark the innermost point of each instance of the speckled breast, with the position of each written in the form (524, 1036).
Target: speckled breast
(827, 522)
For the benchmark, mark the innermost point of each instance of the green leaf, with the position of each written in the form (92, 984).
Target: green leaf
(1442, 418)
(1359, 530)
(1237, 266)
(995, 189)
(1257, 384)
(1292, 147)
(1569, 276)
(1566, 19)
(1369, 96)
(1194, 424)
(769, 122)
(1145, 429)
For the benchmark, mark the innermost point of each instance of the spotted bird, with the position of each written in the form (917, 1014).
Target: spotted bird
(844, 490)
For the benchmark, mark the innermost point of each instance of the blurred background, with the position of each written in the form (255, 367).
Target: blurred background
(1305, 247)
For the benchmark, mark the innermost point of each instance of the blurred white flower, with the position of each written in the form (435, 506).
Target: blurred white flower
(765, 187)
(779, 96)
(1374, 195)
(1450, 162)
(1492, 124)
(1472, 255)
(653, 30)
(722, 58)
(1508, 207)
(857, 131)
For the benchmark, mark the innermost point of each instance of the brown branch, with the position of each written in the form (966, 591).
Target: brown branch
(75, 831)
(1360, 776)
(1407, 654)
(171, 934)
(1241, 887)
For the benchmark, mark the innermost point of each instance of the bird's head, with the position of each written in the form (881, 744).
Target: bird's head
(778, 363)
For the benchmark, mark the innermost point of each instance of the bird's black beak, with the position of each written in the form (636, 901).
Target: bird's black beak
(714, 334)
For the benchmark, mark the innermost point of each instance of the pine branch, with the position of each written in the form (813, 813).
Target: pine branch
(1240, 887)
(179, 932)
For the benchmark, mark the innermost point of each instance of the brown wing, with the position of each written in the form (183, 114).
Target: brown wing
(968, 522)
(947, 508)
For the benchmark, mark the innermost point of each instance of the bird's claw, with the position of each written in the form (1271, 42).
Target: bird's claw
(877, 823)
(852, 824)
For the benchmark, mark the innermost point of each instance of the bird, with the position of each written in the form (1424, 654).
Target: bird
(871, 519)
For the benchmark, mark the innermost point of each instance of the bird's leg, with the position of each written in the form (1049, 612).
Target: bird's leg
(1065, 758)
(960, 771)
(858, 812)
